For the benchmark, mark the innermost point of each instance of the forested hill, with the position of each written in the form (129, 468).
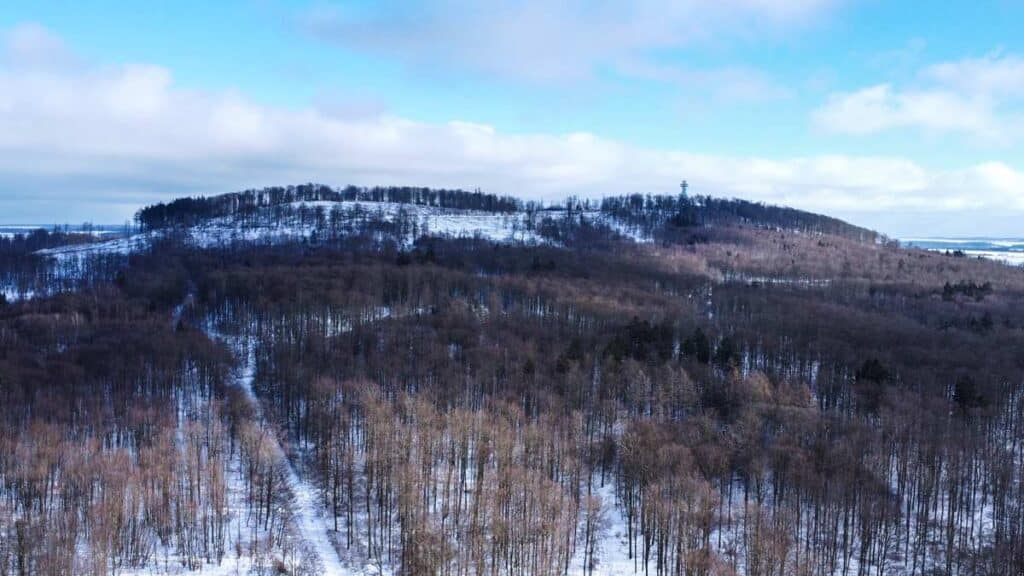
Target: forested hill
(678, 211)
(192, 211)
(660, 217)
(415, 382)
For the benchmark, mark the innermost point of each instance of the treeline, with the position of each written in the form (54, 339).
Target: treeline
(192, 211)
(40, 239)
(663, 215)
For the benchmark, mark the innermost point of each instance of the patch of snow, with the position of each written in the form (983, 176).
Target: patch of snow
(123, 245)
(13, 293)
(1006, 250)
(1012, 258)
(612, 550)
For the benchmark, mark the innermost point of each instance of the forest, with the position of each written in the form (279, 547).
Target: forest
(665, 386)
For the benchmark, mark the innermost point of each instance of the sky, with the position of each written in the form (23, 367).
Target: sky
(903, 116)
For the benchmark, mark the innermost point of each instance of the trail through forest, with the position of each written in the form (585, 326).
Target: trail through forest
(307, 522)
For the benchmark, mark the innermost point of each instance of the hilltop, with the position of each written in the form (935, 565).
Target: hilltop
(319, 214)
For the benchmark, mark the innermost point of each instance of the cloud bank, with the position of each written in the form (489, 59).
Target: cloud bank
(80, 141)
(981, 98)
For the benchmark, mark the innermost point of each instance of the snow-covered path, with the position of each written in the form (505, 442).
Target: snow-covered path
(310, 525)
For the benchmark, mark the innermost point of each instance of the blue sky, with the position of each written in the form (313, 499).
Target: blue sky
(896, 115)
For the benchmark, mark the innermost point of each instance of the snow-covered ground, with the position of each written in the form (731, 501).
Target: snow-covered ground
(122, 245)
(1012, 258)
(13, 294)
(1008, 250)
(307, 520)
(612, 550)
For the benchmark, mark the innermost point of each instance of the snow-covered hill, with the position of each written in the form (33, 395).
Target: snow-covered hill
(323, 220)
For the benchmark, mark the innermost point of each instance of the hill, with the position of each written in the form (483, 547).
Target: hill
(319, 214)
(400, 381)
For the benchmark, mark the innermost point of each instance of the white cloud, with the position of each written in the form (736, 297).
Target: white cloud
(543, 40)
(878, 108)
(732, 83)
(33, 45)
(128, 135)
(981, 98)
(995, 76)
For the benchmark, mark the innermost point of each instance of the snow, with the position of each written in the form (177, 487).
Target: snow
(245, 553)
(298, 221)
(612, 550)
(430, 220)
(123, 245)
(1013, 258)
(13, 294)
(310, 525)
(165, 562)
(1007, 250)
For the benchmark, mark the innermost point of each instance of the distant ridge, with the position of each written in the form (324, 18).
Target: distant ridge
(654, 216)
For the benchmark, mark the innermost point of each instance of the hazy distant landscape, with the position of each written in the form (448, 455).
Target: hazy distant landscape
(1009, 250)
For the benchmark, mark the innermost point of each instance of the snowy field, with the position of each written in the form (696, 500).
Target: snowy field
(1008, 250)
